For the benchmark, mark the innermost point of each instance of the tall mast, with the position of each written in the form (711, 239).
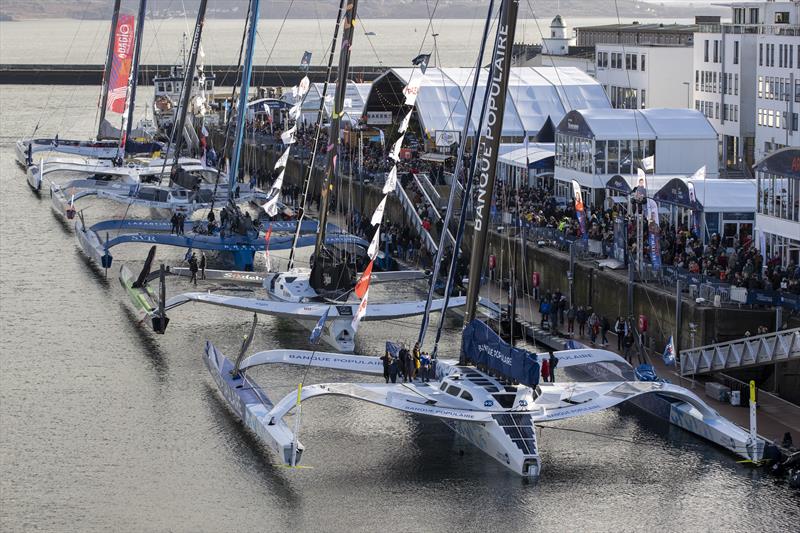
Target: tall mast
(456, 172)
(333, 136)
(490, 144)
(247, 72)
(137, 50)
(107, 71)
(188, 80)
(315, 148)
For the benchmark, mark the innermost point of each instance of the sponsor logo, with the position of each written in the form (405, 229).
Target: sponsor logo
(488, 403)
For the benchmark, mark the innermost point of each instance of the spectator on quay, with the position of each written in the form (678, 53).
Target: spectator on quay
(572, 312)
(619, 329)
(581, 316)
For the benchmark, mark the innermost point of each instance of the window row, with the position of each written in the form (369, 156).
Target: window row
(780, 196)
(632, 61)
(175, 87)
(786, 55)
(774, 88)
(625, 97)
(776, 119)
(713, 82)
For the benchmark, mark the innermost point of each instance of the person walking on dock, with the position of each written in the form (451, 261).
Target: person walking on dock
(581, 317)
(604, 327)
(619, 329)
(627, 344)
(193, 269)
(572, 312)
(406, 363)
(387, 364)
(553, 363)
(202, 265)
(594, 327)
(545, 369)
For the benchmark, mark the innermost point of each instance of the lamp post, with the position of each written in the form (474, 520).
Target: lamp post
(688, 94)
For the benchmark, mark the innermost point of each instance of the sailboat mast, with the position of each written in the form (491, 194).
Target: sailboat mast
(333, 136)
(490, 144)
(137, 51)
(315, 147)
(456, 172)
(107, 71)
(241, 112)
(188, 80)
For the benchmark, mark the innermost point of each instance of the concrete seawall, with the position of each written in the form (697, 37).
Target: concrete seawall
(226, 75)
(606, 291)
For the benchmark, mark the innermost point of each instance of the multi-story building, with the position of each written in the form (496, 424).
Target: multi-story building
(743, 82)
(636, 33)
(644, 75)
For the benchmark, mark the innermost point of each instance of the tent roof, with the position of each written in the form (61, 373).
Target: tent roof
(535, 152)
(534, 94)
(650, 124)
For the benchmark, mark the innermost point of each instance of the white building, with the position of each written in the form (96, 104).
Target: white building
(761, 43)
(645, 75)
(594, 145)
(558, 42)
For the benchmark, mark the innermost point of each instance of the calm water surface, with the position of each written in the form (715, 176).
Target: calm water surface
(105, 426)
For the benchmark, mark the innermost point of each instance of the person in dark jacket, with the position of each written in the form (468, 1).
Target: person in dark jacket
(202, 265)
(406, 364)
(553, 364)
(581, 316)
(387, 363)
(627, 344)
(619, 329)
(604, 327)
(533, 370)
(193, 269)
(545, 370)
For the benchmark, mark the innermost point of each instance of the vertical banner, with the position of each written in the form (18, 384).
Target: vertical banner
(121, 64)
(580, 210)
(653, 231)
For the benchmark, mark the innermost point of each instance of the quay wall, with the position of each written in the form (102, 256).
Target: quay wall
(606, 291)
(226, 75)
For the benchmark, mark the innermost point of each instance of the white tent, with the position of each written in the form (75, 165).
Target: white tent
(534, 94)
(355, 100)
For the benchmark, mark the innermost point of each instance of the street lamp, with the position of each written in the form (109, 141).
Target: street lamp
(688, 94)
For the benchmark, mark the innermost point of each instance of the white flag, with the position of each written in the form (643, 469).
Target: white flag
(278, 184)
(375, 244)
(649, 163)
(304, 86)
(348, 102)
(411, 91)
(271, 206)
(652, 210)
(404, 123)
(362, 310)
(395, 153)
(700, 174)
(294, 112)
(287, 137)
(391, 181)
(377, 216)
(281, 162)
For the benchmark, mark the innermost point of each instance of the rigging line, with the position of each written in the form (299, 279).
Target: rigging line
(374, 51)
(275, 42)
(66, 57)
(552, 61)
(635, 114)
(604, 435)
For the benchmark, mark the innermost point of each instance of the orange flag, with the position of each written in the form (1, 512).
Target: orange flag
(363, 284)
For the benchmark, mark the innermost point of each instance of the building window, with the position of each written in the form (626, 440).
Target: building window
(705, 51)
(642, 58)
(753, 15)
(782, 17)
(735, 84)
(735, 52)
(761, 86)
(716, 110)
(760, 120)
(716, 51)
(760, 54)
(696, 80)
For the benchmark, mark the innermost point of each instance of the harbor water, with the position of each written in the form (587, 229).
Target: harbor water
(106, 426)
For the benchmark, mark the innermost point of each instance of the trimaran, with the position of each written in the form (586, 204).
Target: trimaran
(303, 294)
(488, 395)
(117, 96)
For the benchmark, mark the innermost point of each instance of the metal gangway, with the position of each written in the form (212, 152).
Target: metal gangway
(413, 217)
(754, 351)
(420, 179)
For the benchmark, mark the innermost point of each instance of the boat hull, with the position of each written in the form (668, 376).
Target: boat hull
(490, 438)
(249, 402)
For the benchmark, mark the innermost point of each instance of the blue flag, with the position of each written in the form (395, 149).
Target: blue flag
(669, 353)
(316, 333)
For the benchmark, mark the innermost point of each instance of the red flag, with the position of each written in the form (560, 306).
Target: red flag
(363, 284)
(267, 235)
